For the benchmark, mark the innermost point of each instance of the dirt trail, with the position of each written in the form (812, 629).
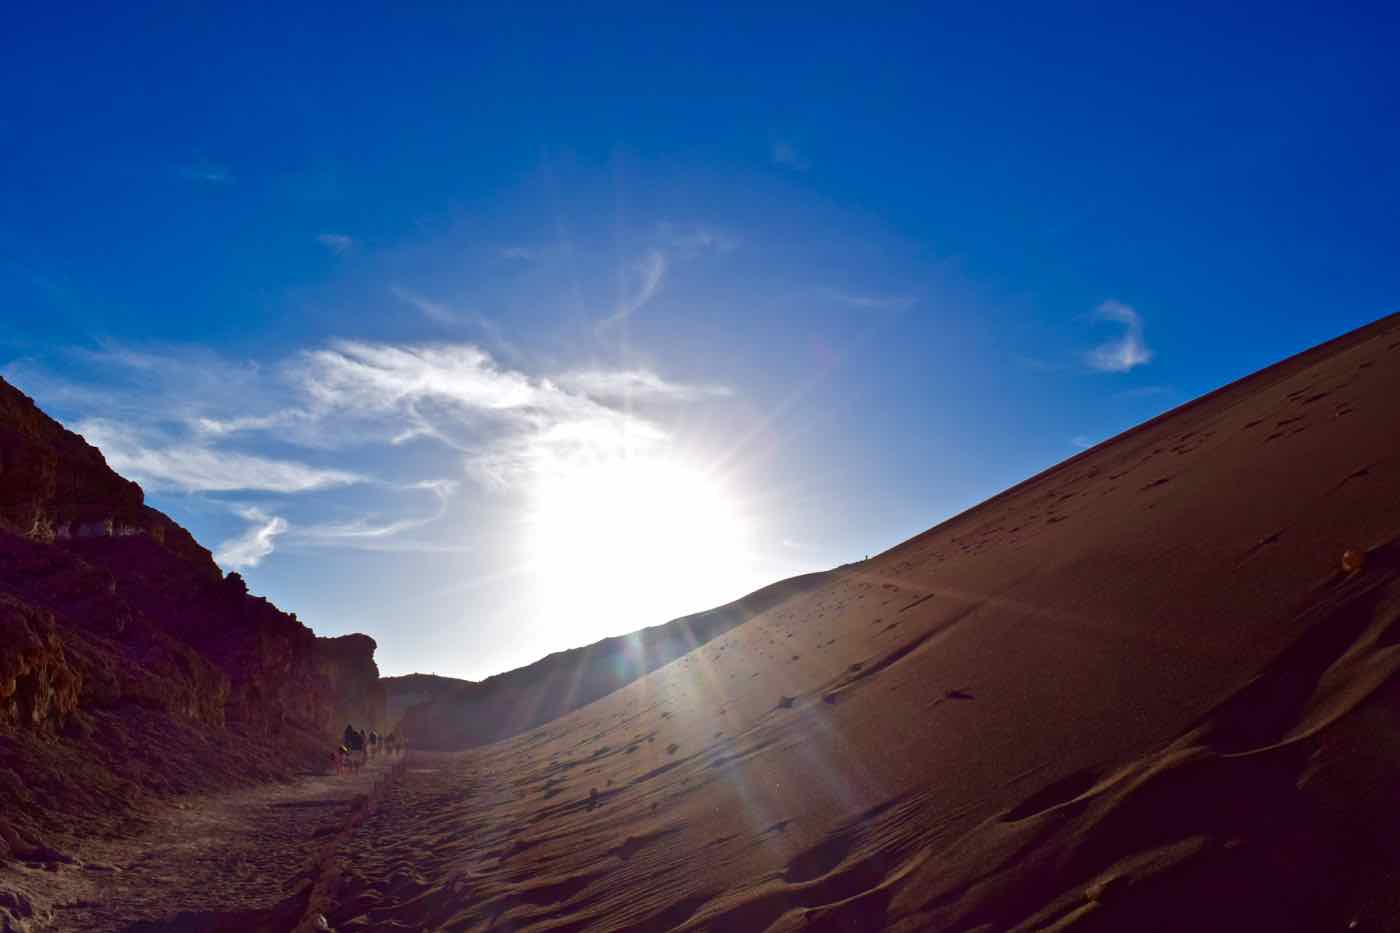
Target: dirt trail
(227, 861)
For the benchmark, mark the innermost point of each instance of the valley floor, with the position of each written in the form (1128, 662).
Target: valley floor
(235, 861)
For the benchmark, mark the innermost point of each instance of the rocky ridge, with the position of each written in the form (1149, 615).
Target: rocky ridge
(131, 667)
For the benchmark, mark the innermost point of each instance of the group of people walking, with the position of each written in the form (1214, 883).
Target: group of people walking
(357, 745)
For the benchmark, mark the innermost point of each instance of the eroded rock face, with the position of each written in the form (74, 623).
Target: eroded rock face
(347, 663)
(37, 686)
(52, 481)
(113, 619)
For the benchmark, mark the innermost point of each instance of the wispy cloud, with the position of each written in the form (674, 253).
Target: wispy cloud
(432, 310)
(1126, 352)
(874, 302)
(370, 531)
(158, 463)
(517, 253)
(788, 155)
(204, 171)
(617, 385)
(338, 243)
(219, 427)
(650, 273)
(689, 242)
(379, 377)
(508, 424)
(441, 313)
(249, 548)
(327, 419)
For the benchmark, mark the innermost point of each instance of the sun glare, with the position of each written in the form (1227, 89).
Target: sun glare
(631, 543)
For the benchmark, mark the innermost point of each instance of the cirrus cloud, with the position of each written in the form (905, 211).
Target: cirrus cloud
(158, 463)
(249, 548)
(341, 431)
(629, 384)
(1125, 352)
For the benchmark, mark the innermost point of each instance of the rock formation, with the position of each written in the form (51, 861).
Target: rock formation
(129, 664)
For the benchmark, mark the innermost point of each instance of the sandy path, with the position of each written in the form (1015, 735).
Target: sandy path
(408, 864)
(203, 863)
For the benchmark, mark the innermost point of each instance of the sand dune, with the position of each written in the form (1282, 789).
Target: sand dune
(1137, 691)
(463, 714)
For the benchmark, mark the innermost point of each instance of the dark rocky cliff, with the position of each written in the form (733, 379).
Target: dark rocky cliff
(127, 657)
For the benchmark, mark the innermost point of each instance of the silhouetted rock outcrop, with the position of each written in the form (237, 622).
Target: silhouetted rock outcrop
(409, 690)
(127, 657)
(357, 694)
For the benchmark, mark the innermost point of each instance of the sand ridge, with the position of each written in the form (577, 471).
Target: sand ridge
(1135, 692)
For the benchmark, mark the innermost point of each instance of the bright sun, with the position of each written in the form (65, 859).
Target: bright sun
(631, 543)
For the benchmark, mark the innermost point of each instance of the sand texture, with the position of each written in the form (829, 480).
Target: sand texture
(247, 860)
(1137, 692)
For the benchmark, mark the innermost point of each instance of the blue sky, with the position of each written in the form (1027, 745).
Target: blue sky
(398, 310)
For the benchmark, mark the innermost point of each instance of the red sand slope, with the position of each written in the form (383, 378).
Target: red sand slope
(1134, 692)
(463, 714)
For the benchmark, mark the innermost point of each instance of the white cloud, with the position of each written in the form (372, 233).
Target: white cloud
(617, 385)
(367, 530)
(651, 271)
(220, 427)
(188, 467)
(442, 488)
(337, 243)
(786, 154)
(518, 253)
(184, 420)
(562, 446)
(358, 528)
(1127, 351)
(376, 377)
(249, 548)
(509, 425)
